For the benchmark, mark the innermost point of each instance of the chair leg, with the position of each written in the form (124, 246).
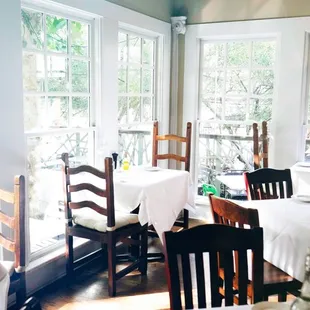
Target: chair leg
(282, 297)
(186, 220)
(69, 258)
(143, 253)
(21, 293)
(112, 263)
(104, 248)
(134, 249)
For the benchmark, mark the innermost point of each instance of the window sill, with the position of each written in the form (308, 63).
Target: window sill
(51, 267)
(54, 254)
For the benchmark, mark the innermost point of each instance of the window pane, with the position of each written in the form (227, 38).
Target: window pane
(136, 143)
(212, 82)
(235, 109)
(122, 47)
(237, 82)
(307, 152)
(33, 72)
(122, 79)
(32, 29)
(58, 111)
(57, 30)
(213, 54)
(211, 108)
(260, 109)
(238, 54)
(134, 110)
(264, 53)
(58, 77)
(147, 83)
(262, 82)
(80, 76)
(134, 80)
(148, 52)
(46, 210)
(122, 110)
(134, 49)
(147, 109)
(35, 116)
(80, 112)
(222, 148)
(79, 38)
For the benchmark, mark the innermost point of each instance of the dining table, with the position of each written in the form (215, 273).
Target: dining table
(160, 195)
(286, 226)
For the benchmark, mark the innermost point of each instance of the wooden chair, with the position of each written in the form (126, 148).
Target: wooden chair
(217, 240)
(17, 244)
(267, 183)
(276, 281)
(31, 304)
(102, 223)
(260, 152)
(185, 159)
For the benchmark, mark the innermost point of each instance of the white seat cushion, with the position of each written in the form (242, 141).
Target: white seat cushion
(8, 266)
(93, 220)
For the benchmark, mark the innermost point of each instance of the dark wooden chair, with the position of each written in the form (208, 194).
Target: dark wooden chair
(102, 224)
(267, 183)
(17, 245)
(218, 241)
(276, 281)
(182, 159)
(260, 150)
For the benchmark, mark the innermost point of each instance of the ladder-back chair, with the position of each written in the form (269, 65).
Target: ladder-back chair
(101, 223)
(179, 158)
(17, 244)
(260, 150)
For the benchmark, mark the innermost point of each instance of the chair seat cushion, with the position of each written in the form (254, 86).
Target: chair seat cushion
(8, 266)
(93, 220)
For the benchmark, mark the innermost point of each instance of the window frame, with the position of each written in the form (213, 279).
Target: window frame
(94, 95)
(157, 108)
(205, 40)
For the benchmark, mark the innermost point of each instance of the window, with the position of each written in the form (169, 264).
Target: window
(58, 109)
(236, 89)
(136, 96)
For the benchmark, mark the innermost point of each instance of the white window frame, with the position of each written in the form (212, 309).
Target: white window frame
(94, 95)
(287, 127)
(108, 18)
(156, 106)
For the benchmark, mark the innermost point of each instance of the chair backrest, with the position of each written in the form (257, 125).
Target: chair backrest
(260, 152)
(217, 240)
(186, 140)
(228, 213)
(108, 192)
(267, 183)
(17, 245)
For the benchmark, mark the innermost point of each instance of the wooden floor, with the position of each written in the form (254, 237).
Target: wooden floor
(90, 289)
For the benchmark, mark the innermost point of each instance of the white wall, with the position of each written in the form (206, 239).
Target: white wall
(289, 103)
(12, 146)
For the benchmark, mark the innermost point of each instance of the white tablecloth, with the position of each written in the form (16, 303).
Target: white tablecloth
(301, 179)
(235, 182)
(4, 287)
(286, 224)
(161, 194)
